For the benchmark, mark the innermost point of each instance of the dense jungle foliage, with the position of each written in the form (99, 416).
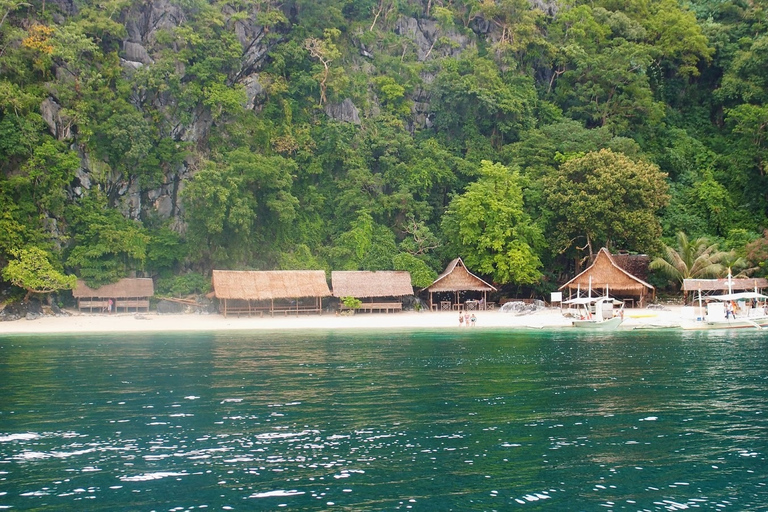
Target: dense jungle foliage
(172, 137)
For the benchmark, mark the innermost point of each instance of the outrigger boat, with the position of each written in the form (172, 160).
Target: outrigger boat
(596, 312)
(741, 310)
(730, 311)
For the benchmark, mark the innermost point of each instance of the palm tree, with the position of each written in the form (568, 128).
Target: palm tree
(739, 266)
(692, 259)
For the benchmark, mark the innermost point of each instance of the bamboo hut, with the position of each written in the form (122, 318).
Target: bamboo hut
(387, 287)
(456, 279)
(126, 294)
(605, 276)
(271, 291)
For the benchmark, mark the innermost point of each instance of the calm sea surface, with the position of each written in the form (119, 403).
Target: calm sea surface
(436, 420)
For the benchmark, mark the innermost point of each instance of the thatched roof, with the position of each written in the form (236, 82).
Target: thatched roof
(365, 283)
(456, 278)
(635, 264)
(269, 284)
(737, 284)
(604, 272)
(123, 289)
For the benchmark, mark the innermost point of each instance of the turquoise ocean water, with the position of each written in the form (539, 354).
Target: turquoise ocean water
(471, 419)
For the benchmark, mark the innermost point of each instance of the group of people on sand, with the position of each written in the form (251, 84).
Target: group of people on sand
(466, 320)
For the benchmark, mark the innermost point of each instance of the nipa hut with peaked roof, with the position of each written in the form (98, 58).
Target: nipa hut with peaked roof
(272, 291)
(126, 294)
(386, 286)
(456, 279)
(606, 276)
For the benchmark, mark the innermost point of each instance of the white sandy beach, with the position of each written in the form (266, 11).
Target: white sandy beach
(152, 322)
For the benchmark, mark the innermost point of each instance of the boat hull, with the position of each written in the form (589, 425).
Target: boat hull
(600, 325)
(735, 323)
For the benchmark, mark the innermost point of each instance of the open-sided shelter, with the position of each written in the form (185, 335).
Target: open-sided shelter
(714, 286)
(271, 291)
(379, 290)
(456, 279)
(127, 294)
(606, 276)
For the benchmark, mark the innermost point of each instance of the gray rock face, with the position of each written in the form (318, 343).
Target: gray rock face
(425, 34)
(346, 111)
(167, 307)
(51, 112)
(251, 37)
(31, 310)
(135, 52)
(67, 7)
(164, 207)
(253, 90)
(146, 18)
(130, 66)
(549, 7)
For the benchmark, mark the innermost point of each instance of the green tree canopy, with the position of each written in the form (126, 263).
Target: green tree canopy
(606, 199)
(488, 226)
(31, 269)
(106, 246)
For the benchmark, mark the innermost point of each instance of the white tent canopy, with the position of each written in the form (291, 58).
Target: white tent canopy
(739, 296)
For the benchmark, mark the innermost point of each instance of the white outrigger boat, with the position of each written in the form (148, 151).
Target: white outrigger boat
(596, 312)
(730, 311)
(740, 310)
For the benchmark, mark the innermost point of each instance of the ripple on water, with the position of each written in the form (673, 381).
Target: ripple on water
(431, 421)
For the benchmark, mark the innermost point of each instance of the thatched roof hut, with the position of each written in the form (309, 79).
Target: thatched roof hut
(718, 285)
(270, 285)
(606, 274)
(127, 294)
(365, 284)
(456, 278)
(123, 289)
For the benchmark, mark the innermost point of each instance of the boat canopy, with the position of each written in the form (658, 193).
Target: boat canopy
(739, 296)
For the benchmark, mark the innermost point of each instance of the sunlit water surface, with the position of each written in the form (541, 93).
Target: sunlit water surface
(437, 420)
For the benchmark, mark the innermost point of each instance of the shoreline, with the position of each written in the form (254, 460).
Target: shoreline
(152, 322)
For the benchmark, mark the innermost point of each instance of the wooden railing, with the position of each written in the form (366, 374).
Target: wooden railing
(252, 310)
(92, 304)
(132, 304)
(124, 304)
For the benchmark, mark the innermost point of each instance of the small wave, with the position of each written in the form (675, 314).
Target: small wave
(29, 436)
(276, 494)
(191, 397)
(32, 456)
(145, 477)
(285, 435)
(532, 497)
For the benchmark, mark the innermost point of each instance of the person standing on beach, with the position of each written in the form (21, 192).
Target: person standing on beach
(461, 320)
(473, 319)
